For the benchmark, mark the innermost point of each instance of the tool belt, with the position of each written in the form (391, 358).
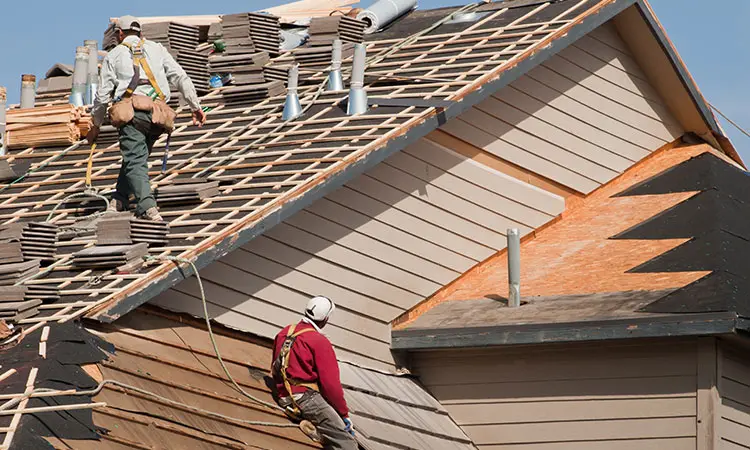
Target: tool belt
(280, 366)
(123, 111)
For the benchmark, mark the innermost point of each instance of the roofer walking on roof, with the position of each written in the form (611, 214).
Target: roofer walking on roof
(307, 377)
(138, 73)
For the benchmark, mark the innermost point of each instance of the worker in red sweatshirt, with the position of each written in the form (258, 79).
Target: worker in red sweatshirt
(307, 378)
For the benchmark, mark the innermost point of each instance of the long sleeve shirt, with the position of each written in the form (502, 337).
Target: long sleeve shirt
(312, 359)
(117, 72)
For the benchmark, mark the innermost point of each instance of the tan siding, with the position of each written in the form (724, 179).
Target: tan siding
(734, 388)
(377, 246)
(565, 397)
(579, 119)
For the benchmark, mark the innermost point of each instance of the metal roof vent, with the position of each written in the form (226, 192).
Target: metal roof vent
(292, 107)
(466, 17)
(80, 73)
(335, 81)
(28, 90)
(357, 95)
(514, 267)
(92, 77)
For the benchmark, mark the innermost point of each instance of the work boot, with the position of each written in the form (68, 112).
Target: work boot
(153, 215)
(115, 205)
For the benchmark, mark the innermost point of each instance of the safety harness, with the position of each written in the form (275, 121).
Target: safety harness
(281, 364)
(140, 61)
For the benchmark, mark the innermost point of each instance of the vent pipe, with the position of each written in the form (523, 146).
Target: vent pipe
(92, 78)
(514, 267)
(80, 73)
(335, 81)
(292, 108)
(3, 100)
(28, 90)
(357, 95)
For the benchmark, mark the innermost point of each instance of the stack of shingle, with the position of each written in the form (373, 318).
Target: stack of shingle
(124, 258)
(45, 293)
(189, 192)
(235, 30)
(245, 68)
(265, 30)
(124, 229)
(181, 42)
(110, 38)
(17, 310)
(252, 93)
(11, 273)
(37, 240)
(319, 57)
(251, 32)
(323, 30)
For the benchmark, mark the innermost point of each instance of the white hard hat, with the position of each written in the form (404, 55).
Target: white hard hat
(319, 308)
(126, 23)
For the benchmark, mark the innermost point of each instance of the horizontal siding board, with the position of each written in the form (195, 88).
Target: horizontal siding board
(256, 289)
(614, 57)
(611, 100)
(467, 218)
(297, 280)
(508, 132)
(556, 136)
(350, 279)
(594, 409)
(490, 179)
(583, 430)
(736, 412)
(618, 77)
(533, 84)
(395, 236)
(608, 34)
(513, 211)
(476, 135)
(344, 257)
(562, 390)
(387, 254)
(417, 207)
(514, 96)
(735, 433)
(735, 369)
(682, 443)
(734, 391)
(729, 445)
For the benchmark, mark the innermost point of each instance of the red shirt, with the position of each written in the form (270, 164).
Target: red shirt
(312, 359)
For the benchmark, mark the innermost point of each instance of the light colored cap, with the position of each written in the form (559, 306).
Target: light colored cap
(126, 23)
(319, 308)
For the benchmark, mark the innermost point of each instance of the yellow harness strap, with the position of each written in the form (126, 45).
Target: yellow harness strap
(286, 351)
(140, 59)
(90, 165)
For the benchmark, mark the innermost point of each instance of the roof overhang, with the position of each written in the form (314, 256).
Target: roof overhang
(682, 325)
(253, 226)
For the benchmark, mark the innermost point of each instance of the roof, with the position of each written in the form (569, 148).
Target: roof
(659, 245)
(270, 170)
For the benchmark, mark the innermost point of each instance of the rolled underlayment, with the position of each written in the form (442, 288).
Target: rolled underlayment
(381, 13)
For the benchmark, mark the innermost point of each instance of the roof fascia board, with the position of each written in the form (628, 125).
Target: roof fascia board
(647, 327)
(406, 136)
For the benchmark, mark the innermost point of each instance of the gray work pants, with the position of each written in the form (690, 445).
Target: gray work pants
(330, 425)
(137, 139)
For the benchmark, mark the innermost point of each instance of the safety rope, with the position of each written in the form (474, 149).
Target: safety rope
(44, 392)
(210, 330)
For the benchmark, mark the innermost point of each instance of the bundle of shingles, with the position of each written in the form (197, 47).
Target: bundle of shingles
(122, 258)
(323, 30)
(319, 57)
(182, 41)
(110, 37)
(124, 229)
(245, 68)
(45, 126)
(186, 193)
(35, 240)
(15, 303)
(251, 32)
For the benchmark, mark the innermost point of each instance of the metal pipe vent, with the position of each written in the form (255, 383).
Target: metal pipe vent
(357, 95)
(335, 80)
(292, 107)
(28, 90)
(80, 73)
(514, 267)
(92, 75)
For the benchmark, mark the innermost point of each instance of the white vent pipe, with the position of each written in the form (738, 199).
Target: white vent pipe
(292, 108)
(80, 73)
(514, 267)
(28, 90)
(92, 77)
(357, 95)
(335, 80)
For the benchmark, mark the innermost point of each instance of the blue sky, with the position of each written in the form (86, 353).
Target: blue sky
(711, 37)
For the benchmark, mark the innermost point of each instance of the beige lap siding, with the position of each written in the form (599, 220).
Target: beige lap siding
(734, 388)
(610, 396)
(580, 118)
(377, 246)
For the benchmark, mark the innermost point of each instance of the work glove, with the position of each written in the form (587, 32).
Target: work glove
(349, 426)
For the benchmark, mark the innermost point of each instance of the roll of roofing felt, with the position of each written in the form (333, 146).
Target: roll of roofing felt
(381, 13)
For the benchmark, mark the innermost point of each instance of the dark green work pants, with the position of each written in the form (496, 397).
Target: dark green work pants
(137, 139)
